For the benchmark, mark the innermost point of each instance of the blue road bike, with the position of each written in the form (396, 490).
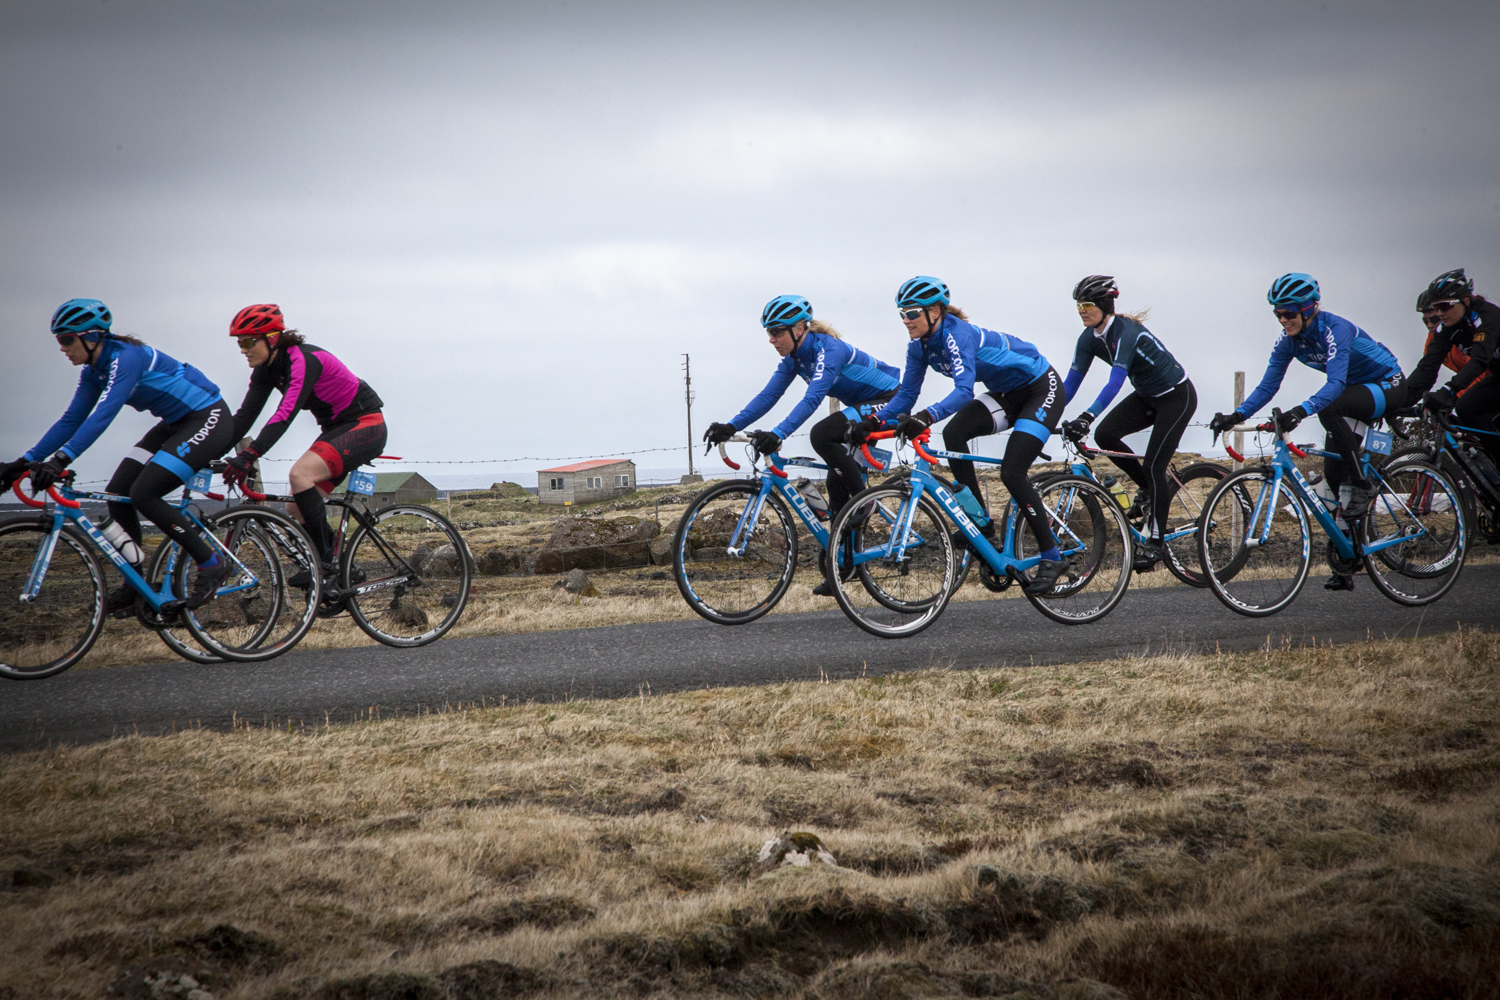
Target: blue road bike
(736, 547)
(1255, 538)
(875, 534)
(53, 587)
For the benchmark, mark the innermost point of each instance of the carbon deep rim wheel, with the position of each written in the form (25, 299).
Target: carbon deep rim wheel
(412, 580)
(49, 634)
(1094, 537)
(175, 636)
(729, 573)
(892, 596)
(1183, 513)
(1416, 502)
(267, 548)
(1262, 577)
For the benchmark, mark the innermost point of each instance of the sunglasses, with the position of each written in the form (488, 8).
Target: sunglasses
(911, 314)
(247, 342)
(1431, 319)
(1086, 306)
(1287, 313)
(67, 339)
(1445, 305)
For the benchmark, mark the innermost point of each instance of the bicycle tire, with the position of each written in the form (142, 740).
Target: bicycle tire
(400, 588)
(1083, 515)
(1182, 511)
(1256, 573)
(727, 588)
(1425, 568)
(42, 638)
(270, 547)
(893, 600)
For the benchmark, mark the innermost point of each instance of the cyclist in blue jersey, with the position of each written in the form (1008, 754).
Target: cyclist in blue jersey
(195, 429)
(1163, 399)
(813, 350)
(1024, 394)
(1364, 380)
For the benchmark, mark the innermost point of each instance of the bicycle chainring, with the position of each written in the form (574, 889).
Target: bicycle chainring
(989, 578)
(1340, 565)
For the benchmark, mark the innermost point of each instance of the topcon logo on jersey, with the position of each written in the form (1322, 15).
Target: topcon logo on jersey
(201, 436)
(818, 368)
(957, 358)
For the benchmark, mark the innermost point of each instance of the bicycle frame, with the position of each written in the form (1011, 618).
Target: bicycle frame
(922, 480)
(1474, 479)
(1283, 469)
(1085, 470)
(66, 508)
(779, 483)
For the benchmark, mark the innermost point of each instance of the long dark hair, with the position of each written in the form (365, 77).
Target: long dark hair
(290, 338)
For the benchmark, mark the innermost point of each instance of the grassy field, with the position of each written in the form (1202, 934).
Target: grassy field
(1316, 822)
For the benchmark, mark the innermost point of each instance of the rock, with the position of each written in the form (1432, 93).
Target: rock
(597, 543)
(577, 582)
(31, 878)
(499, 561)
(444, 562)
(660, 550)
(800, 850)
(408, 616)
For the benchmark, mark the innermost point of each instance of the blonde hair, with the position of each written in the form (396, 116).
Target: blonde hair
(957, 312)
(819, 326)
(1139, 315)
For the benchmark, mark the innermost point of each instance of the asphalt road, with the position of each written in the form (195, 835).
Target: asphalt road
(341, 684)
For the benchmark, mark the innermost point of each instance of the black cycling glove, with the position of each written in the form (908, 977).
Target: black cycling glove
(1442, 399)
(1077, 429)
(910, 425)
(1288, 420)
(10, 472)
(44, 474)
(1223, 421)
(719, 433)
(858, 431)
(765, 442)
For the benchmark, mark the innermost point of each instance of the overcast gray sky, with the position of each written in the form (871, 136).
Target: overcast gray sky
(513, 219)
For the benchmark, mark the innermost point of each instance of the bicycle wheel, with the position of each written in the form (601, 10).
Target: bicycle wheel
(47, 635)
(1417, 502)
(891, 596)
(257, 614)
(1255, 569)
(1190, 490)
(729, 569)
(411, 580)
(173, 633)
(1094, 537)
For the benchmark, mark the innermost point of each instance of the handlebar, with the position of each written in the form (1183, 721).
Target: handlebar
(745, 439)
(31, 501)
(916, 444)
(1265, 428)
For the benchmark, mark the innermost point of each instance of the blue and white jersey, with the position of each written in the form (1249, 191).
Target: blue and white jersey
(1332, 345)
(133, 374)
(965, 352)
(1133, 352)
(831, 368)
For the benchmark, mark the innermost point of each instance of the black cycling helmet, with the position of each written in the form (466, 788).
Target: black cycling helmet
(1424, 300)
(1099, 289)
(1451, 285)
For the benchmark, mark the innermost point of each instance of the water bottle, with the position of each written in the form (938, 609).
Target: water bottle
(122, 541)
(1338, 519)
(971, 506)
(1117, 490)
(814, 498)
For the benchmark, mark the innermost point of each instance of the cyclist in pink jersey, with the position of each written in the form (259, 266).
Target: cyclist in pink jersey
(309, 378)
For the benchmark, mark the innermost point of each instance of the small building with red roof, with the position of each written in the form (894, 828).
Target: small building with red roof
(586, 482)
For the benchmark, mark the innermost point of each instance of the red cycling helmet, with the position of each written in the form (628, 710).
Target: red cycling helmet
(259, 321)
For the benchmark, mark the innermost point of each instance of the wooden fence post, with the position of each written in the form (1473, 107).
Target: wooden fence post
(1239, 397)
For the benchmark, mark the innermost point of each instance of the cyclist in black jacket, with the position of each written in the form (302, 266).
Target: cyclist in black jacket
(1471, 324)
(1164, 400)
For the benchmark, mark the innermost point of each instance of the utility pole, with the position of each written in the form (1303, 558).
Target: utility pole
(687, 372)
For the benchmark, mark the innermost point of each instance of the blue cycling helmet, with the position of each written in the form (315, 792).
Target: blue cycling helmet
(1295, 290)
(785, 310)
(81, 317)
(922, 291)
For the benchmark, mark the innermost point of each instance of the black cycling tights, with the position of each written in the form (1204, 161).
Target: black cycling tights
(845, 476)
(974, 420)
(146, 485)
(1167, 415)
(1358, 403)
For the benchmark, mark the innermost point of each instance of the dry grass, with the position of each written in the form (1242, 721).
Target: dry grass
(1291, 823)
